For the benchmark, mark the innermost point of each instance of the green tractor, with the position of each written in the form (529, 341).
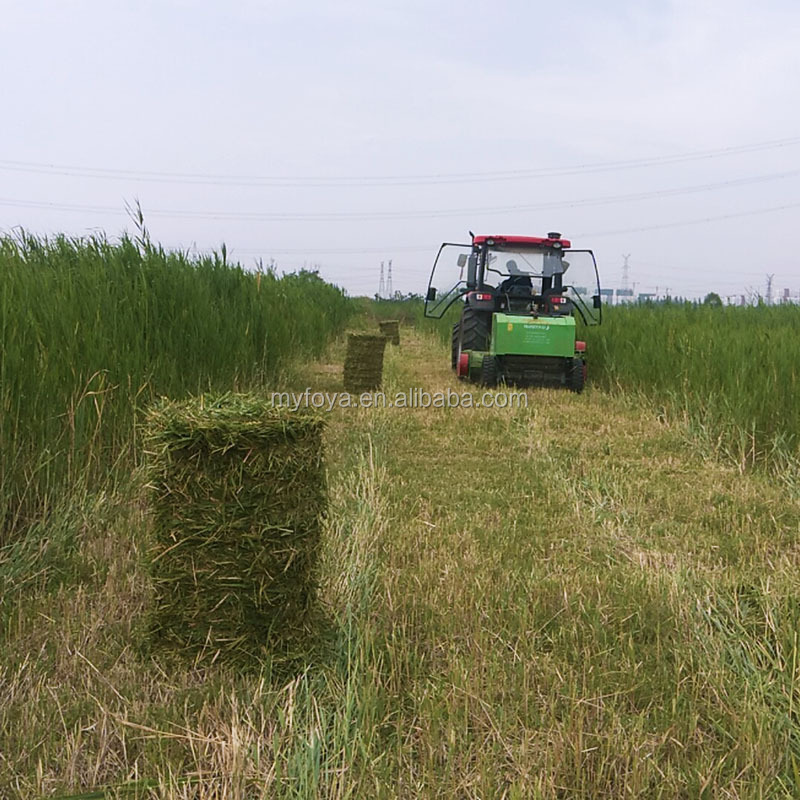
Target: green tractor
(518, 308)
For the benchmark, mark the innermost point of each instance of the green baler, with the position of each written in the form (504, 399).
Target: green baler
(518, 315)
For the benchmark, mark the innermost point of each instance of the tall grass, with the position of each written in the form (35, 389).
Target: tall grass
(92, 331)
(732, 373)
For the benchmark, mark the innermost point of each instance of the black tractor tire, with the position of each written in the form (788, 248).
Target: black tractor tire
(454, 349)
(489, 371)
(576, 376)
(474, 329)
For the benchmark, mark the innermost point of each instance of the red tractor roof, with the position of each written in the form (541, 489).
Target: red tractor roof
(524, 241)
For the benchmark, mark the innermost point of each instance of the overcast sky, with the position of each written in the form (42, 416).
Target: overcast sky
(343, 134)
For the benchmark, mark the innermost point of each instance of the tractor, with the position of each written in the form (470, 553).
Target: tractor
(519, 297)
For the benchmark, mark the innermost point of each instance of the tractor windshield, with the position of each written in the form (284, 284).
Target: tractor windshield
(525, 263)
(460, 267)
(450, 273)
(582, 284)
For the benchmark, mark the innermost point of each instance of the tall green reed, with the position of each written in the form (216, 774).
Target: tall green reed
(732, 373)
(91, 331)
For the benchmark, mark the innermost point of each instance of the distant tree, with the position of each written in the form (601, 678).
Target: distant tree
(712, 299)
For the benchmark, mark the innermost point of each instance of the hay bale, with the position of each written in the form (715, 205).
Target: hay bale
(390, 328)
(363, 363)
(237, 492)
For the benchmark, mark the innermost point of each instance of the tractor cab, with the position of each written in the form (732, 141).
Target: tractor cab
(520, 297)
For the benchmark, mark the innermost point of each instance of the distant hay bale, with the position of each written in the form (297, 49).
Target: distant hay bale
(363, 363)
(390, 328)
(237, 492)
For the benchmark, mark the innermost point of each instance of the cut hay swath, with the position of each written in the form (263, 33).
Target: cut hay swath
(390, 328)
(363, 363)
(237, 492)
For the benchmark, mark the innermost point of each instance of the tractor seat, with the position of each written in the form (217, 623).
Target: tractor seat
(519, 292)
(517, 304)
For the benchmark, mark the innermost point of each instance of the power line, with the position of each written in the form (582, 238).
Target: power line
(318, 181)
(429, 248)
(361, 216)
(649, 265)
(597, 234)
(681, 223)
(330, 251)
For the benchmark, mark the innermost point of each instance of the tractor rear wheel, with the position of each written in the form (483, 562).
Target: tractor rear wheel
(454, 348)
(576, 377)
(474, 329)
(489, 371)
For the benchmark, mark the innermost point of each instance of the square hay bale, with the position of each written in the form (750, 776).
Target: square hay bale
(237, 491)
(390, 328)
(363, 363)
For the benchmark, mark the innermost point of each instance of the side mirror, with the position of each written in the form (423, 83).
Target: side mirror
(472, 271)
(431, 296)
(596, 301)
(462, 260)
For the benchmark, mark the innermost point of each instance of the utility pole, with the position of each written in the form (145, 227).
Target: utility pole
(625, 271)
(381, 285)
(389, 291)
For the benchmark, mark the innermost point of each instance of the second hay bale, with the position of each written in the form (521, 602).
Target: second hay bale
(363, 363)
(390, 328)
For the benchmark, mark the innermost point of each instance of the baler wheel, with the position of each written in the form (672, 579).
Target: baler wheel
(576, 379)
(489, 371)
